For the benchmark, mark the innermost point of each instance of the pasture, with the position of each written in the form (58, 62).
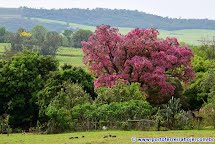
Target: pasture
(97, 137)
(67, 55)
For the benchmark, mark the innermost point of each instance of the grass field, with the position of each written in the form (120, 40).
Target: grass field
(96, 137)
(74, 61)
(189, 36)
(71, 56)
(67, 55)
(70, 51)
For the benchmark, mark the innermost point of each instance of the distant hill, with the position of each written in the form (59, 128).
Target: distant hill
(13, 19)
(10, 13)
(118, 18)
(13, 24)
(61, 19)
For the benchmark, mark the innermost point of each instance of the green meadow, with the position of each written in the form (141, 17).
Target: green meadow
(67, 55)
(97, 137)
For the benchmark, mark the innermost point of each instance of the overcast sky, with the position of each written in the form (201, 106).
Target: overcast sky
(170, 8)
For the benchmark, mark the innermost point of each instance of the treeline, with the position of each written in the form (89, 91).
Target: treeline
(43, 40)
(118, 18)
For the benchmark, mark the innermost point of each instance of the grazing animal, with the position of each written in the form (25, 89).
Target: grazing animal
(113, 136)
(82, 136)
(109, 135)
(105, 137)
(76, 137)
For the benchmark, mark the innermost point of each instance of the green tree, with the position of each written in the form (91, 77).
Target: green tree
(208, 88)
(194, 92)
(119, 93)
(2, 34)
(68, 35)
(79, 36)
(208, 47)
(17, 41)
(208, 84)
(51, 44)
(20, 80)
(55, 83)
(59, 108)
(38, 34)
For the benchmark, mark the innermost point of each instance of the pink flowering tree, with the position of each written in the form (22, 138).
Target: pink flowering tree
(140, 56)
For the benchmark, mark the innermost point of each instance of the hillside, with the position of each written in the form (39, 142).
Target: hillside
(14, 23)
(10, 13)
(118, 18)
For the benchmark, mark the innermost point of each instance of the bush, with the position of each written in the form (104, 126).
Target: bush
(171, 116)
(125, 126)
(119, 93)
(116, 111)
(58, 111)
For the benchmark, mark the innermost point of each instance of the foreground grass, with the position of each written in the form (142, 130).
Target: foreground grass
(96, 137)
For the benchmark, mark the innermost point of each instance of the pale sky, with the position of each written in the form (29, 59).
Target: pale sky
(198, 9)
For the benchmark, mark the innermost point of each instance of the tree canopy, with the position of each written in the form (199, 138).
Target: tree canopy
(20, 79)
(79, 36)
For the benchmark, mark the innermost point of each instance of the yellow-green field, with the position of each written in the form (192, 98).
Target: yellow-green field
(96, 137)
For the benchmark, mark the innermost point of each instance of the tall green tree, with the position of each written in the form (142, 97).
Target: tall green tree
(58, 111)
(20, 80)
(68, 35)
(208, 87)
(39, 34)
(51, 44)
(79, 36)
(194, 92)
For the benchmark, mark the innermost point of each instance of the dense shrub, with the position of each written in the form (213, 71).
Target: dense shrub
(116, 111)
(119, 93)
(59, 108)
(172, 116)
